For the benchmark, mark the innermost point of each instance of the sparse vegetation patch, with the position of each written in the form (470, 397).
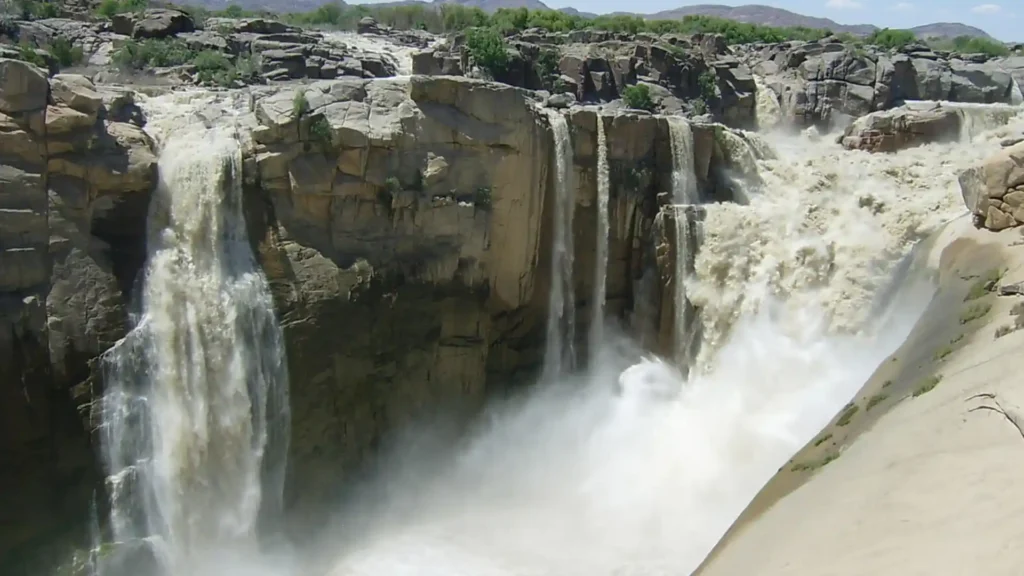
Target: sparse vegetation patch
(847, 414)
(974, 312)
(814, 465)
(875, 401)
(927, 385)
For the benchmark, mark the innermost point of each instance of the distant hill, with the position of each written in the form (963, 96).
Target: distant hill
(751, 13)
(765, 15)
(574, 12)
(948, 30)
(494, 5)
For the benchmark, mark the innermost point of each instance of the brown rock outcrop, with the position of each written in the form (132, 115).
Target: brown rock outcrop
(904, 127)
(994, 191)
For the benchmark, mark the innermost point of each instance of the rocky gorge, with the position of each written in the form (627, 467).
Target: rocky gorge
(402, 210)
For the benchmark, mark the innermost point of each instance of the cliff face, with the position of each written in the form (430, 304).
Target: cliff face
(402, 240)
(406, 232)
(74, 187)
(404, 226)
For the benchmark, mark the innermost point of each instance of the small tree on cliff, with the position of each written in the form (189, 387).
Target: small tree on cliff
(487, 48)
(638, 97)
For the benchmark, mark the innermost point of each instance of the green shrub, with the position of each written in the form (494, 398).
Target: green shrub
(133, 55)
(65, 53)
(109, 8)
(972, 45)
(708, 83)
(891, 39)
(45, 10)
(547, 63)
(638, 97)
(213, 67)
(299, 104)
(28, 53)
(320, 131)
(455, 17)
(246, 69)
(488, 50)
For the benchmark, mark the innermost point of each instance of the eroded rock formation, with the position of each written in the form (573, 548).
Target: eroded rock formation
(994, 191)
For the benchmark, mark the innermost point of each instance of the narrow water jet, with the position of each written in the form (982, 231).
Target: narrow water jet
(195, 414)
(601, 257)
(561, 327)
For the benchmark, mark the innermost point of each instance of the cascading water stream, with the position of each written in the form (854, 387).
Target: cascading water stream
(195, 413)
(561, 326)
(601, 258)
(684, 197)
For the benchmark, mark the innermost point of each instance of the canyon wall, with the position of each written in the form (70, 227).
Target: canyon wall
(404, 226)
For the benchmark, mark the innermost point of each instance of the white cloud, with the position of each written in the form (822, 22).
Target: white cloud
(902, 7)
(843, 4)
(986, 9)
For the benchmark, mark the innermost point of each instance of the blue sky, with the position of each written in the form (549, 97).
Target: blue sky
(1002, 18)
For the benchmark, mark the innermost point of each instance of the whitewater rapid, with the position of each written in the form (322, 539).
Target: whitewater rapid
(823, 227)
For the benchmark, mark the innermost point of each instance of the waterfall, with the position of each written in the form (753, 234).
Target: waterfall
(601, 258)
(767, 110)
(684, 196)
(636, 470)
(1016, 97)
(561, 327)
(195, 414)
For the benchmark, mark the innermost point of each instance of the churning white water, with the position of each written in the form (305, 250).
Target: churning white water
(195, 414)
(823, 227)
(561, 325)
(601, 258)
(397, 54)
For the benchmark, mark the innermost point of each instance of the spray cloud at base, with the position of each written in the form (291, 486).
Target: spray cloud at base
(620, 469)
